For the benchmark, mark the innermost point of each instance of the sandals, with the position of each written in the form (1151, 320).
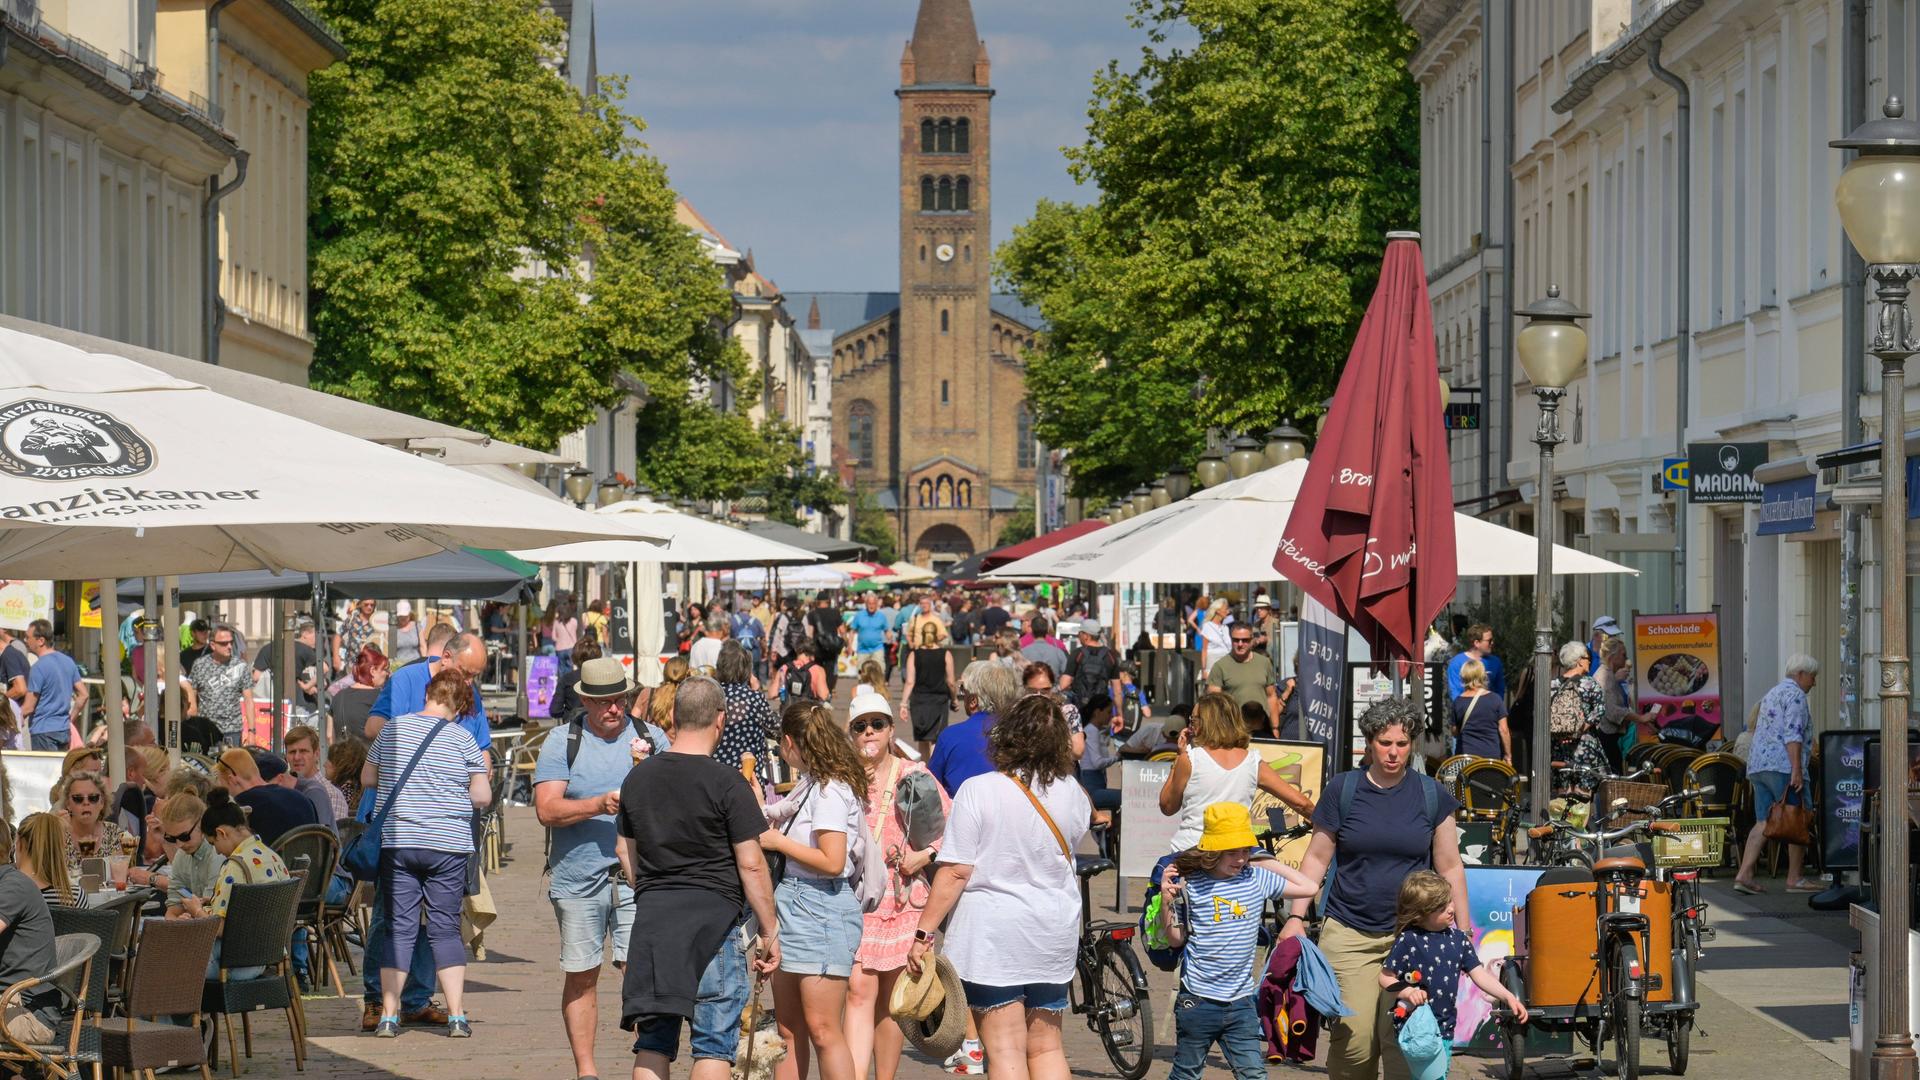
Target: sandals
(1745, 889)
(1805, 886)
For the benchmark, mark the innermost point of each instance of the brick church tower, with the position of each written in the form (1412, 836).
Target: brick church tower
(929, 388)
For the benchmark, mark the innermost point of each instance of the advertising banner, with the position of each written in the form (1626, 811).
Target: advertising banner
(543, 678)
(1843, 796)
(1492, 894)
(90, 605)
(1149, 833)
(1302, 764)
(21, 602)
(1723, 472)
(1787, 507)
(1676, 664)
(1323, 668)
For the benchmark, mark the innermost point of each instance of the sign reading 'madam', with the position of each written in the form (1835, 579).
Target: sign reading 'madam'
(1722, 472)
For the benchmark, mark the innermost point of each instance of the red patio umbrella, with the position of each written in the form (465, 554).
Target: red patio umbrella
(1371, 535)
(1012, 553)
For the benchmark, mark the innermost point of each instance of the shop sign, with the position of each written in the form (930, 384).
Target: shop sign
(1673, 474)
(1677, 665)
(1722, 472)
(1787, 507)
(21, 602)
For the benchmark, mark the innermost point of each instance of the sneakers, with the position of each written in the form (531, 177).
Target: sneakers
(387, 1028)
(458, 1028)
(969, 1060)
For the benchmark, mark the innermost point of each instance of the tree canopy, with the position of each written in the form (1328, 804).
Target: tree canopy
(459, 187)
(1246, 181)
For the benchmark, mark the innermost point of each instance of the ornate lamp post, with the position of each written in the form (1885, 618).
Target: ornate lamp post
(1161, 497)
(1552, 346)
(1246, 456)
(1142, 498)
(610, 492)
(1179, 483)
(579, 484)
(1878, 195)
(1212, 469)
(1285, 443)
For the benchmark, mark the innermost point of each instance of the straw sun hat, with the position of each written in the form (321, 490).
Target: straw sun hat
(931, 1008)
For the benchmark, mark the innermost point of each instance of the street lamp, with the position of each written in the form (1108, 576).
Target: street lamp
(1285, 443)
(610, 492)
(1552, 346)
(1246, 457)
(579, 484)
(1142, 498)
(1179, 483)
(1160, 495)
(1878, 196)
(1212, 469)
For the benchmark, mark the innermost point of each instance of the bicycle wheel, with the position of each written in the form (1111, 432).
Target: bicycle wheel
(1679, 1044)
(1626, 1013)
(1123, 1014)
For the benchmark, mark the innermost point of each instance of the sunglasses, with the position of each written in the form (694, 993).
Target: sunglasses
(178, 839)
(1242, 640)
(79, 798)
(227, 641)
(861, 727)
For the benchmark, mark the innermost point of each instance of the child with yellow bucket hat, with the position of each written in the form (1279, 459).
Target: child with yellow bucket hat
(1224, 898)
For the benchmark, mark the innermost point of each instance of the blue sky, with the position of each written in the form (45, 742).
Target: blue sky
(776, 117)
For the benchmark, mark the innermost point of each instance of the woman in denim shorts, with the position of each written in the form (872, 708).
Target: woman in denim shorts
(820, 917)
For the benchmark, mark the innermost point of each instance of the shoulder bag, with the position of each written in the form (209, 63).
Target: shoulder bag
(1058, 836)
(1789, 822)
(777, 861)
(1468, 715)
(362, 856)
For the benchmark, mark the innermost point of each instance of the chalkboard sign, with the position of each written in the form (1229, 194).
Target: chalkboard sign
(1149, 833)
(619, 618)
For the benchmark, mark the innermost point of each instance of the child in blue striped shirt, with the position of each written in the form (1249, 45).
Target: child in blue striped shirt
(1224, 900)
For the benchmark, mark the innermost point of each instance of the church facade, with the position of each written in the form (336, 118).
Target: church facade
(929, 413)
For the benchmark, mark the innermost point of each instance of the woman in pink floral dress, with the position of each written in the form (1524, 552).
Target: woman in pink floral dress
(888, 932)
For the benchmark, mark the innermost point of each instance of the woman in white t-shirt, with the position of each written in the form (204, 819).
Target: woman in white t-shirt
(1007, 876)
(820, 916)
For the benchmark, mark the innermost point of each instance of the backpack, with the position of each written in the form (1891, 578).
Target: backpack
(826, 641)
(1349, 786)
(576, 728)
(1565, 714)
(798, 684)
(1092, 669)
(789, 632)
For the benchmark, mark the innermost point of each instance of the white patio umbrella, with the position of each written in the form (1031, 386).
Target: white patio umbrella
(799, 577)
(1228, 533)
(691, 541)
(113, 468)
(905, 573)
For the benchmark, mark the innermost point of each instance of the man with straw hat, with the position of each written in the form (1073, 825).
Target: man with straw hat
(576, 794)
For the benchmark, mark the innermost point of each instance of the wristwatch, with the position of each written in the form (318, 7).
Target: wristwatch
(926, 936)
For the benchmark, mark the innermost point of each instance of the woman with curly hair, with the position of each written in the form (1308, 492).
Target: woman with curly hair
(1007, 876)
(820, 917)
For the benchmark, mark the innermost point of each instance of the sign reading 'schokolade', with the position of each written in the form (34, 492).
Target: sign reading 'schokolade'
(1722, 472)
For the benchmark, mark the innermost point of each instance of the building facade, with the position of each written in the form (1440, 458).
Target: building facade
(929, 412)
(1645, 133)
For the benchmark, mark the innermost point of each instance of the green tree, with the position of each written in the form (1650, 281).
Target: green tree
(1246, 182)
(1019, 526)
(875, 528)
(457, 185)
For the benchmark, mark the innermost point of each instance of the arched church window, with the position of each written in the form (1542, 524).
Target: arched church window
(926, 136)
(923, 492)
(943, 320)
(946, 136)
(960, 136)
(944, 201)
(963, 494)
(960, 193)
(926, 193)
(1023, 435)
(860, 422)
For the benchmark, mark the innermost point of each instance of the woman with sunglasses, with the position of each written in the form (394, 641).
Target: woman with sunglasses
(887, 931)
(39, 851)
(89, 834)
(820, 917)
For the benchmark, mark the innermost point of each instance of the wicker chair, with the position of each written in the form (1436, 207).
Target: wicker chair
(72, 967)
(259, 926)
(104, 924)
(320, 847)
(139, 1041)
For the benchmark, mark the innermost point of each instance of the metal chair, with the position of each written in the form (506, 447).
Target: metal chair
(320, 847)
(1485, 787)
(139, 1040)
(104, 924)
(58, 1058)
(259, 926)
(1448, 773)
(1639, 753)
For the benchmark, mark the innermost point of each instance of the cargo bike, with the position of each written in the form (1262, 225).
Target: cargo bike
(1601, 949)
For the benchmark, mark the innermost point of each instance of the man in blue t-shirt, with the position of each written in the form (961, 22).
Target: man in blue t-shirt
(55, 694)
(576, 793)
(869, 628)
(961, 752)
(1479, 647)
(405, 693)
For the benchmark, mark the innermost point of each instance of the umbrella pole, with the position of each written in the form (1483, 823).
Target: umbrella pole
(322, 671)
(286, 669)
(150, 701)
(520, 661)
(110, 678)
(170, 627)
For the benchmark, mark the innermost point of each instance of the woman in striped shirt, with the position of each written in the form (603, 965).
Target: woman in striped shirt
(426, 838)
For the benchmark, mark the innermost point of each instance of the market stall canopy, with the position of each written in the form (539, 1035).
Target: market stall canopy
(470, 574)
(113, 468)
(825, 546)
(1034, 545)
(691, 541)
(905, 573)
(761, 579)
(1227, 533)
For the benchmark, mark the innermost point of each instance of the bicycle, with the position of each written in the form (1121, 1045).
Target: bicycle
(1679, 866)
(1593, 942)
(1111, 991)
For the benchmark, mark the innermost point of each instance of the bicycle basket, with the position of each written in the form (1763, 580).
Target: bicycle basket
(1699, 842)
(1637, 795)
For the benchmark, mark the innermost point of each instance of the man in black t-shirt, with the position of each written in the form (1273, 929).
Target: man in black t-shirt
(824, 620)
(994, 617)
(26, 949)
(14, 666)
(307, 690)
(690, 848)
